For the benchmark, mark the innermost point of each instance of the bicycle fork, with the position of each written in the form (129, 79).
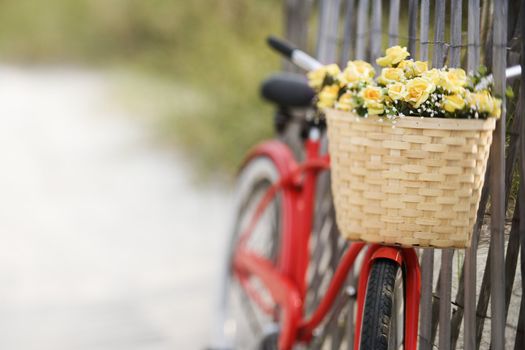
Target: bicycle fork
(407, 259)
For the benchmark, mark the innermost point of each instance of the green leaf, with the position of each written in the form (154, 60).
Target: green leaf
(509, 92)
(482, 70)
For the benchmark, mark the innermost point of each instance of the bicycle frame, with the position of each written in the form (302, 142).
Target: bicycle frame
(286, 282)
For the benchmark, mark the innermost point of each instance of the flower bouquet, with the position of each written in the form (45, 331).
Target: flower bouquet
(408, 149)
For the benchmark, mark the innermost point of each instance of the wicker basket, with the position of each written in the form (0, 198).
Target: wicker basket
(417, 184)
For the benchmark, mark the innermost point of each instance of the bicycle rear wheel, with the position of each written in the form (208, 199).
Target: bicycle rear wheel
(384, 311)
(241, 322)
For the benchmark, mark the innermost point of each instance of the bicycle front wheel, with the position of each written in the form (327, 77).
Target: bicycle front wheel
(384, 311)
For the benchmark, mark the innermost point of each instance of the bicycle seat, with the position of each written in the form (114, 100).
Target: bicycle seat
(287, 90)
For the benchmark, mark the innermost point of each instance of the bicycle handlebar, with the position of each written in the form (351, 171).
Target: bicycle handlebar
(298, 57)
(512, 72)
(284, 48)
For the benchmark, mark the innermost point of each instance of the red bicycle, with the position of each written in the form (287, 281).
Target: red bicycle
(263, 295)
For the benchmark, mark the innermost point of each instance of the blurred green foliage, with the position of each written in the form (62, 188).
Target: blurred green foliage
(213, 51)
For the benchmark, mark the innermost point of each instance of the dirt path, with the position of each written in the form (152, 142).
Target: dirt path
(104, 242)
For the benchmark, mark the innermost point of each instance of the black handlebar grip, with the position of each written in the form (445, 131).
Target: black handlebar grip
(281, 46)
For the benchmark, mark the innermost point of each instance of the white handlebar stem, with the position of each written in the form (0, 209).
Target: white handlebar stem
(305, 61)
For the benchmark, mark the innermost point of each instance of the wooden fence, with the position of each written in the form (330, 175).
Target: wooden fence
(458, 286)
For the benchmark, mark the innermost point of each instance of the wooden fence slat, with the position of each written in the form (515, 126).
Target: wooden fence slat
(483, 300)
(425, 324)
(511, 257)
(412, 26)
(487, 288)
(473, 34)
(457, 315)
(423, 31)
(455, 32)
(348, 32)
(362, 29)
(520, 333)
(375, 37)
(321, 27)
(473, 249)
(469, 327)
(439, 34)
(486, 32)
(435, 311)
(327, 40)
(445, 276)
(296, 15)
(467, 296)
(444, 299)
(393, 23)
(513, 28)
(427, 261)
(497, 239)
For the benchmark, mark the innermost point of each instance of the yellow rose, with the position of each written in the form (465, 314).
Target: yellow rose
(375, 108)
(434, 76)
(418, 91)
(328, 96)
(420, 67)
(496, 111)
(372, 93)
(413, 68)
(470, 100)
(316, 77)
(454, 79)
(346, 102)
(393, 56)
(390, 75)
(364, 68)
(484, 102)
(397, 91)
(458, 75)
(373, 98)
(357, 71)
(453, 103)
(405, 64)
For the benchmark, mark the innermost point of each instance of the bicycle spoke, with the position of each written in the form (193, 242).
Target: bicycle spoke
(249, 311)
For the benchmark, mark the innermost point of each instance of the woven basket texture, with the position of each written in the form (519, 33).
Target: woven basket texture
(415, 184)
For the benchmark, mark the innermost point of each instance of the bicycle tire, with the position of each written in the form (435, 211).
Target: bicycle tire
(253, 181)
(383, 314)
